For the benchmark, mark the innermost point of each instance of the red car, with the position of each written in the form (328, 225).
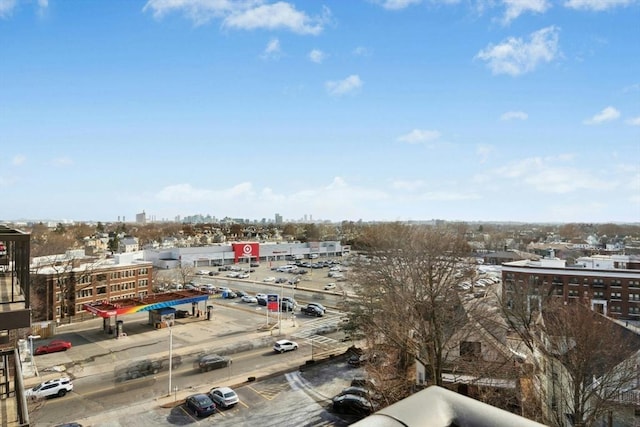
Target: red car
(53, 346)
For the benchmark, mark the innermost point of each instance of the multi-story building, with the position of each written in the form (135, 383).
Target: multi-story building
(611, 284)
(62, 285)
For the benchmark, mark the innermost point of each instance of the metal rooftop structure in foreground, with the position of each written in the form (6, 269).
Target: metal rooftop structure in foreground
(439, 407)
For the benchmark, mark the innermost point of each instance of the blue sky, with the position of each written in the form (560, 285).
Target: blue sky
(501, 110)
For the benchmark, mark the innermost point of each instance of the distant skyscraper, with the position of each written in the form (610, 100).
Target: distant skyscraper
(141, 218)
(278, 218)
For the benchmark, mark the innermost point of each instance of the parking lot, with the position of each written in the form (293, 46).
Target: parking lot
(300, 398)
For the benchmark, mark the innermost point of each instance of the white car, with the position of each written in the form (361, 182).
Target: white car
(269, 279)
(202, 272)
(243, 276)
(224, 397)
(56, 387)
(285, 345)
(329, 286)
(249, 299)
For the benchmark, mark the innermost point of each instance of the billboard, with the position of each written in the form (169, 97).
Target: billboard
(272, 302)
(245, 250)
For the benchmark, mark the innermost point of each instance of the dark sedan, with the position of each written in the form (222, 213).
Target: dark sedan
(213, 361)
(352, 404)
(201, 404)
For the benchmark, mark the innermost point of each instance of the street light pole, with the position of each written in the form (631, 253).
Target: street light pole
(170, 353)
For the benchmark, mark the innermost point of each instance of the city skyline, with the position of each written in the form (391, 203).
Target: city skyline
(389, 110)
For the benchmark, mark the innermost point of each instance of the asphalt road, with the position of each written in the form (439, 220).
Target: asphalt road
(94, 359)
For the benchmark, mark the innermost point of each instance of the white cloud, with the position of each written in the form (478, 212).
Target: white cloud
(317, 56)
(552, 175)
(198, 11)
(407, 185)
(596, 5)
(512, 115)
(515, 8)
(62, 161)
(515, 56)
(185, 193)
(6, 7)
(420, 136)
(606, 115)
(397, 4)
(343, 87)
(243, 14)
(272, 51)
(484, 151)
(280, 15)
(18, 160)
(361, 51)
(634, 121)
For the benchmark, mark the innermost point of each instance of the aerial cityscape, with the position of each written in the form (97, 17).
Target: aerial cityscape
(320, 214)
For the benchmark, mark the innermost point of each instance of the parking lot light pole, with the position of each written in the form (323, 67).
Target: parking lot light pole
(33, 363)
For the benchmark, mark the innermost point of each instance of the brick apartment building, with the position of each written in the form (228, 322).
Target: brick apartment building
(60, 288)
(610, 283)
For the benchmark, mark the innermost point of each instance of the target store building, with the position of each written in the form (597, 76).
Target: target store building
(243, 252)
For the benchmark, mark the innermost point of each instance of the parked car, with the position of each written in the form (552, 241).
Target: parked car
(262, 300)
(240, 294)
(329, 286)
(53, 346)
(255, 264)
(55, 387)
(287, 306)
(181, 314)
(352, 404)
(285, 345)
(358, 391)
(269, 279)
(202, 272)
(249, 299)
(281, 280)
(243, 276)
(312, 310)
(201, 404)
(214, 273)
(213, 361)
(224, 397)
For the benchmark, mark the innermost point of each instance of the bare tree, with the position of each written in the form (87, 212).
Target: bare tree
(59, 278)
(410, 306)
(185, 273)
(580, 360)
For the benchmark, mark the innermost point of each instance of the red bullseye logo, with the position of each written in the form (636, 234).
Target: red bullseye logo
(246, 249)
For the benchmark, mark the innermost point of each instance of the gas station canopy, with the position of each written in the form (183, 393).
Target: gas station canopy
(147, 303)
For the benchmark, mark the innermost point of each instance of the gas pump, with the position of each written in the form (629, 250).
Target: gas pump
(209, 312)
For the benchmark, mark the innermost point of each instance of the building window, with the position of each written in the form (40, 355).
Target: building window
(634, 284)
(615, 309)
(616, 295)
(598, 295)
(101, 290)
(634, 310)
(574, 293)
(634, 297)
